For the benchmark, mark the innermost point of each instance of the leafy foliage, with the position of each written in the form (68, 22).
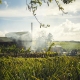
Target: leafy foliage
(0, 1)
(15, 51)
(56, 68)
(50, 46)
(67, 1)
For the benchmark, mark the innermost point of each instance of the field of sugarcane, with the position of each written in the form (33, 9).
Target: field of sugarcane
(49, 68)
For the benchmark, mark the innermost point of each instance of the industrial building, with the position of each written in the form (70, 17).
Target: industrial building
(22, 39)
(5, 41)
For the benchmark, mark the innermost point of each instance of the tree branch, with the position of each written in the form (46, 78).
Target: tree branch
(32, 6)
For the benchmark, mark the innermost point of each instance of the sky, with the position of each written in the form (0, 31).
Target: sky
(14, 17)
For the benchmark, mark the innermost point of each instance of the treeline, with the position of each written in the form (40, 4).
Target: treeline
(15, 51)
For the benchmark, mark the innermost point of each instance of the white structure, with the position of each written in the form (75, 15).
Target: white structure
(23, 39)
(57, 48)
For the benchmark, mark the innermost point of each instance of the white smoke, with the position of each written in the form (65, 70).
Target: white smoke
(24, 39)
(2, 33)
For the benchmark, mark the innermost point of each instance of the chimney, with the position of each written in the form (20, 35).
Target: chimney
(32, 30)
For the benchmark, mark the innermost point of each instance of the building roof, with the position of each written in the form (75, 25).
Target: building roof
(57, 46)
(21, 33)
(5, 39)
(22, 36)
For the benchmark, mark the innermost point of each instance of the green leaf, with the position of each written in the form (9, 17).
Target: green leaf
(33, 2)
(33, 11)
(29, 8)
(48, 3)
(40, 26)
(61, 8)
(48, 25)
(67, 1)
(50, 0)
(0, 1)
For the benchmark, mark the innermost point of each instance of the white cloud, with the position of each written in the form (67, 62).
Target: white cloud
(44, 10)
(72, 7)
(2, 33)
(16, 12)
(41, 11)
(65, 31)
(6, 4)
(54, 10)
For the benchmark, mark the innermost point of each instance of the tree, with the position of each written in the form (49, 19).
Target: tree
(0, 1)
(49, 37)
(33, 5)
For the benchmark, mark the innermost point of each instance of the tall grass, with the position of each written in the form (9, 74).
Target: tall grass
(55, 68)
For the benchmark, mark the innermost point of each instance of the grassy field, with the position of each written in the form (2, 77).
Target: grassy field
(55, 68)
(68, 45)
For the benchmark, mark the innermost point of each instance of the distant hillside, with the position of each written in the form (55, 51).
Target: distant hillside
(68, 45)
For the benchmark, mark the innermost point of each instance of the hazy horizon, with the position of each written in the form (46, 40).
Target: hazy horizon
(65, 27)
